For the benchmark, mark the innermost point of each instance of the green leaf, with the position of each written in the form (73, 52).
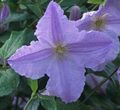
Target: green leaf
(5, 102)
(16, 40)
(4, 37)
(32, 104)
(72, 106)
(33, 85)
(9, 81)
(44, 1)
(117, 61)
(67, 3)
(50, 103)
(96, 1)
(35, 8)
(15, 17)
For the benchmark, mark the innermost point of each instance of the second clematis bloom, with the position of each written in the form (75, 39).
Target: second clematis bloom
(61, 52)
(107, 20)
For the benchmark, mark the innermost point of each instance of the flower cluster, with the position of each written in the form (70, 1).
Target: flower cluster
(65, 48)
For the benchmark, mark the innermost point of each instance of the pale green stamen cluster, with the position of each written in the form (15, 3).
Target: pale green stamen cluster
(60, 49)
(99, 22)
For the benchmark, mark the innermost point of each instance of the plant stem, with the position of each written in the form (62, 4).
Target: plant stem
(100, 84)
(31, 98)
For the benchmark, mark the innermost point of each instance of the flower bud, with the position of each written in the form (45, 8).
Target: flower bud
(93, 80)
(20, 102)
(4, 13)
(75, 13)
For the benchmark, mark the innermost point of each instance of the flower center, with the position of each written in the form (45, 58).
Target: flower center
(99, 23)
(60, 49)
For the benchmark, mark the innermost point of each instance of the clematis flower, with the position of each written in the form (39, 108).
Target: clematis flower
(4, 13)
(61, 52)
(106, 19)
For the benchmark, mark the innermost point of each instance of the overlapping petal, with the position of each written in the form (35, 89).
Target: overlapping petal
(92, 49)
(85, 23)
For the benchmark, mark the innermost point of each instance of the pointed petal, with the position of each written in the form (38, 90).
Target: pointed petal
(50, 25)
(66, 81)
(55, 27)
(92, 49)
(31, 61)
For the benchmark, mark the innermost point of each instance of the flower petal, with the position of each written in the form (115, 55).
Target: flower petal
(50, 25)
(55, 27)
(31, 61)
(67, 80)
(92, 49)
(85, 22)
(113, 52)
(113, 24)
(112, 8)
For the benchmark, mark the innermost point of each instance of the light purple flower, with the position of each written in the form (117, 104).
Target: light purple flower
(61, 52)
(4, 13)
(107, 20)
(107, 17)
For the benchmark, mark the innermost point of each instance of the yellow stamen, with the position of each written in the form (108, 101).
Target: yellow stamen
(60, 49)
(99, 22)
